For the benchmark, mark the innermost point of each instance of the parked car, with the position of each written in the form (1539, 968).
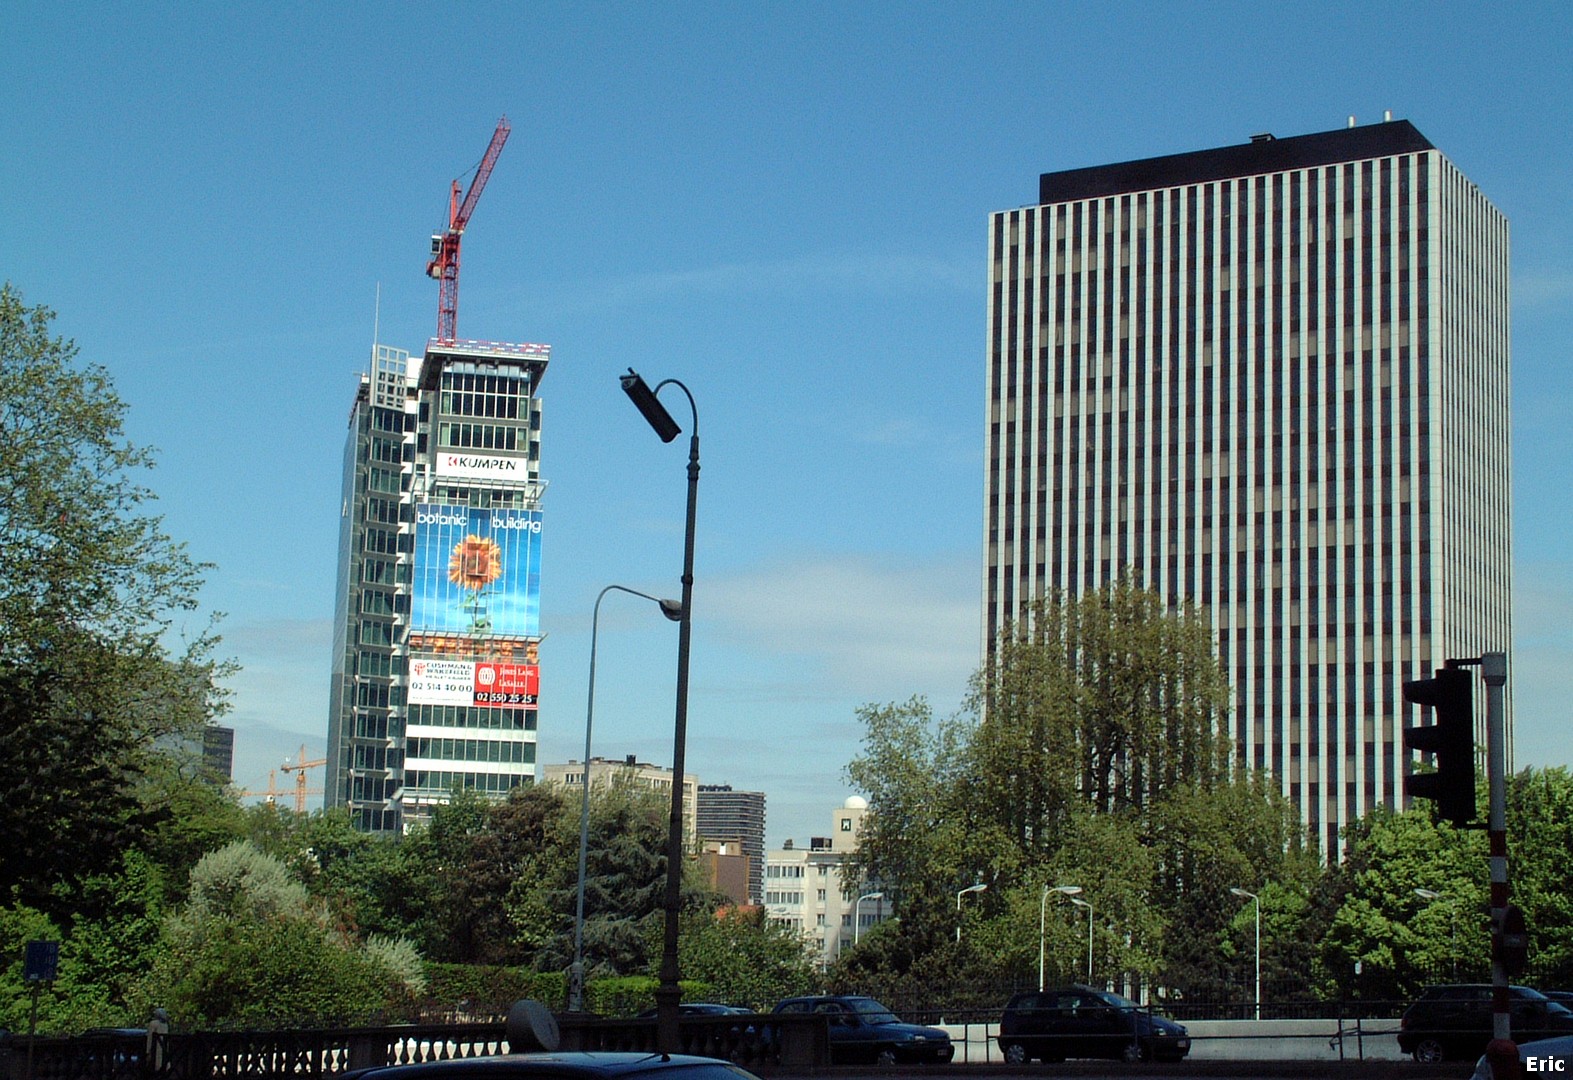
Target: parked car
(1544, 1051)
(1081, 1021)
(563, 1065)
(863, 1030)
(1454, 1020)
(699, 1008)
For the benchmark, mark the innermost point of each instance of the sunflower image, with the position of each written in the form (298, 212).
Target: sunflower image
(476, 562)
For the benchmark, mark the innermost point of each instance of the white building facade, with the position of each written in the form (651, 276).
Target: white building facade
(806, 888)
(1272, 380)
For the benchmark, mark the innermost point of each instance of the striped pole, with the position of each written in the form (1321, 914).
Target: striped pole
(1494, 667)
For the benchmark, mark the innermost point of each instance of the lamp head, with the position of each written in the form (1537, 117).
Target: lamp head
(1242, 893)
(649, 406)
(1067, 890)
(979, 887)
(672, 609)
(1428, 894)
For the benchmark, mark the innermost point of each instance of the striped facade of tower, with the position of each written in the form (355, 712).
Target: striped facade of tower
(1273, 380)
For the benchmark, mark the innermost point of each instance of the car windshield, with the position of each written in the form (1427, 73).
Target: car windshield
(1116, 1000)
(872, 1011)
(1558, 1009)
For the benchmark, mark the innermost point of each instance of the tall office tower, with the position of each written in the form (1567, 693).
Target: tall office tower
(725, 814)
(435, 673)
(1270, 379)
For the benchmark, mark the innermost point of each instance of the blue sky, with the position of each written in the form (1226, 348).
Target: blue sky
(782, 205)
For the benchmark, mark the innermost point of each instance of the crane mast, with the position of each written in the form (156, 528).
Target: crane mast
(444, 263)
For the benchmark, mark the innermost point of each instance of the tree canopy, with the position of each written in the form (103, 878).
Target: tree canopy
(91, 678)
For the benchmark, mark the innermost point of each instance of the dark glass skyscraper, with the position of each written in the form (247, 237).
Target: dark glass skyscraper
(435, 674)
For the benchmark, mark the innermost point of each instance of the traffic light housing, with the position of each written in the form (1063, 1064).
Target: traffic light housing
(1450, 741)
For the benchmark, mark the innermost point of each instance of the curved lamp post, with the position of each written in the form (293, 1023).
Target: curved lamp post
(1043, 908)
(673, 610)
(979, 887)
(668, 993)
(857, 926)
(1079, 902)
(1257, 901)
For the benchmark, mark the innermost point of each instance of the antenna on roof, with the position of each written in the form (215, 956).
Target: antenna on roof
(376, 317)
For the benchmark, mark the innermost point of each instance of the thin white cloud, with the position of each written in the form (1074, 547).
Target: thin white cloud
(877, 628)
(1541, 657)
(1535, 289)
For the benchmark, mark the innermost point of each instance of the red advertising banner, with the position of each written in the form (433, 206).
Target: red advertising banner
(505, 685)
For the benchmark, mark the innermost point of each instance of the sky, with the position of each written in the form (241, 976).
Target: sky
(782, 205)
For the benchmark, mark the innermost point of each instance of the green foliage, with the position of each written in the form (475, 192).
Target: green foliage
(1108, 698)
(629, 995)
(252, 947)
(190, 816)
(1399, 939)
(744, 958)
(1094, 755)
(89, 590)
(916, 842)
(470, 856)
(1540, 840)
(70, 1004)
(483, 990)
(275, 971)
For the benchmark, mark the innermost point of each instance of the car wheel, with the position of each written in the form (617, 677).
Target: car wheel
(1132, 1052)
(1015, 1054)
(885, 1058)
(1429, 1051)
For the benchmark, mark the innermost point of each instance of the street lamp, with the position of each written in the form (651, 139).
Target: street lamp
(1432, 894)
(1257, 901)
(668, 993)
(857, 926)
(673, 610)
(1082, 903)
(979, 887)
(1043, 907)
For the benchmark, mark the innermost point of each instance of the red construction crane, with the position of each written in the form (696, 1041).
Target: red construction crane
(444, 264)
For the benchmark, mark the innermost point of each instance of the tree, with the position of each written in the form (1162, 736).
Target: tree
(1540, 836)
(915, 841)
(252, 947)
(89, 588)
(1400, 939)
(1092, 752)
(1107, 698)
(745, 959)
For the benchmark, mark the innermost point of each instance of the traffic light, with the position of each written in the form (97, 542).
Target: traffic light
(1450, 741)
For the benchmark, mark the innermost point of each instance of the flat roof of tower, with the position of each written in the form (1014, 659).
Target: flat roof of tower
(1263, 154)
(529, 355)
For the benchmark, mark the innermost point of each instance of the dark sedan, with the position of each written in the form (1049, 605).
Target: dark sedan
(1081, 1021)
(863, 1030)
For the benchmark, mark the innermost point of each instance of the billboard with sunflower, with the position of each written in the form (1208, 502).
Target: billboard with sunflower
(477, 572)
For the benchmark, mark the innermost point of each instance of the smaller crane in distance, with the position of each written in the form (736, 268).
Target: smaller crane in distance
(299, 769)
(444, 263)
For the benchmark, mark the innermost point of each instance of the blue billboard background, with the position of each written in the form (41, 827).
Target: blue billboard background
(477, 572)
